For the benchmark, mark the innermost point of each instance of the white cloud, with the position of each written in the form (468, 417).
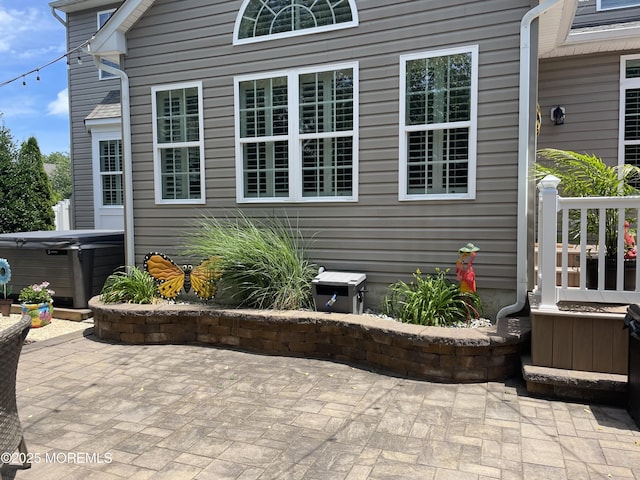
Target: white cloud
(13, 25)
(60, 106)
(23, 32)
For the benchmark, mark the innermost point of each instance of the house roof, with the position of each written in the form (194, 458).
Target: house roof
(109, 107)
(68, 6)
(107, 112)
(597, 34)
(603, 38)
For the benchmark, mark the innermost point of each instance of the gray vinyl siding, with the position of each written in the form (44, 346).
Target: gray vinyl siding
(188, 40)
(85, 92)
(589, 88)
(588, 16)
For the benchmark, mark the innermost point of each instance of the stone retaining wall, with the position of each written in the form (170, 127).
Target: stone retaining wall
(429, 353)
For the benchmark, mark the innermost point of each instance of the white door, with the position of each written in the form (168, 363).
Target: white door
(108, 187)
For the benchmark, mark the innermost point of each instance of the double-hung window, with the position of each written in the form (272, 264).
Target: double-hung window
(438, 124)
(630, 110)
(111, 172)
(296, 135)
(178, 141)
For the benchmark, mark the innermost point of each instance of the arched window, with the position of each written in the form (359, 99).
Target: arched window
(266, 19)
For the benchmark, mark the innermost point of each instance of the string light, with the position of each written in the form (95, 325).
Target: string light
(37, 69)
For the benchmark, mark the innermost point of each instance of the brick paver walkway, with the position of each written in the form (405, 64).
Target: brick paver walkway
(95, 410)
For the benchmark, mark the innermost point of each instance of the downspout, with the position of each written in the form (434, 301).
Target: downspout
(524, 123)
(58, 17)
(129, 245)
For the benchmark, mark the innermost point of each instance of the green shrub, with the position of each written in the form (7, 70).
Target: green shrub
(264, 263)
(432, 300)
(130, 285)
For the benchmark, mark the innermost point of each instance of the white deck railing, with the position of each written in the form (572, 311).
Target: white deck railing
(563, 222)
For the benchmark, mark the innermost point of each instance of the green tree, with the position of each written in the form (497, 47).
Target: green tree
(61, 175)
(8, 156)
(27, 197)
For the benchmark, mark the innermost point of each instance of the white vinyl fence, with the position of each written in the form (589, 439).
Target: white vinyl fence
(62, 214)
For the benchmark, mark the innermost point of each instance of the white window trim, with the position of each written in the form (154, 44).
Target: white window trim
(472, 124)
(157, 169)
(600, 8)
(102, 75)
(295, 33)
(295, 167)
(102, 12)
(625, 83)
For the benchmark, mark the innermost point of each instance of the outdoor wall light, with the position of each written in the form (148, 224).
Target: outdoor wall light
(557, 115)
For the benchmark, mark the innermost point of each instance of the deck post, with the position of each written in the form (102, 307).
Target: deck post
(547, 260)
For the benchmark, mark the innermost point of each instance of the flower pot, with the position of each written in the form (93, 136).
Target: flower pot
(5, 306)
(40, 313)
(610, 274)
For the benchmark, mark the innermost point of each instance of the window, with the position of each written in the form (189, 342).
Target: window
(611, 4)
(110, 155)
(178, 143)
(266, 19)
(438, 110)
(630, 108)
(296, 135)
(102, 19)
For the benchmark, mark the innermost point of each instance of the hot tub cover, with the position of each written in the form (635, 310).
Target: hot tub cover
(60, 239)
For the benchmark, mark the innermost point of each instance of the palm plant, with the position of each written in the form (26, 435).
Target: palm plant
(586, 175)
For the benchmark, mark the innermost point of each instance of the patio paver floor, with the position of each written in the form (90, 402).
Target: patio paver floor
(95, 410)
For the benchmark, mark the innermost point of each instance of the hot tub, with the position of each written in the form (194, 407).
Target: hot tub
(74, 262)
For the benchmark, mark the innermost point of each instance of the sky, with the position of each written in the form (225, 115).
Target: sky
(31, 37)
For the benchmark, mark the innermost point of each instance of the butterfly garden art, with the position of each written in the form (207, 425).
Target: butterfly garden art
(261, 264)
(262, 271)
(263, 274)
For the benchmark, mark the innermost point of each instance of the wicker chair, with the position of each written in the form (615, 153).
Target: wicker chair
(11, 340)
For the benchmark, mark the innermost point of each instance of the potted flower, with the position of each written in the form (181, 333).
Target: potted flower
(585, 175)
(37, 302)
(5, 278)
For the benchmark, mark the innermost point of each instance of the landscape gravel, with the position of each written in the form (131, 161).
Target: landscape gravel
(56, 328)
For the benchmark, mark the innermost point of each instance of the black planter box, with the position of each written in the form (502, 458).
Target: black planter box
(611, 273)
(632, 322)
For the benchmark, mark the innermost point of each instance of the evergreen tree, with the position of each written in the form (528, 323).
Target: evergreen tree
(38, 198)
(27, 199)
(8, 155)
